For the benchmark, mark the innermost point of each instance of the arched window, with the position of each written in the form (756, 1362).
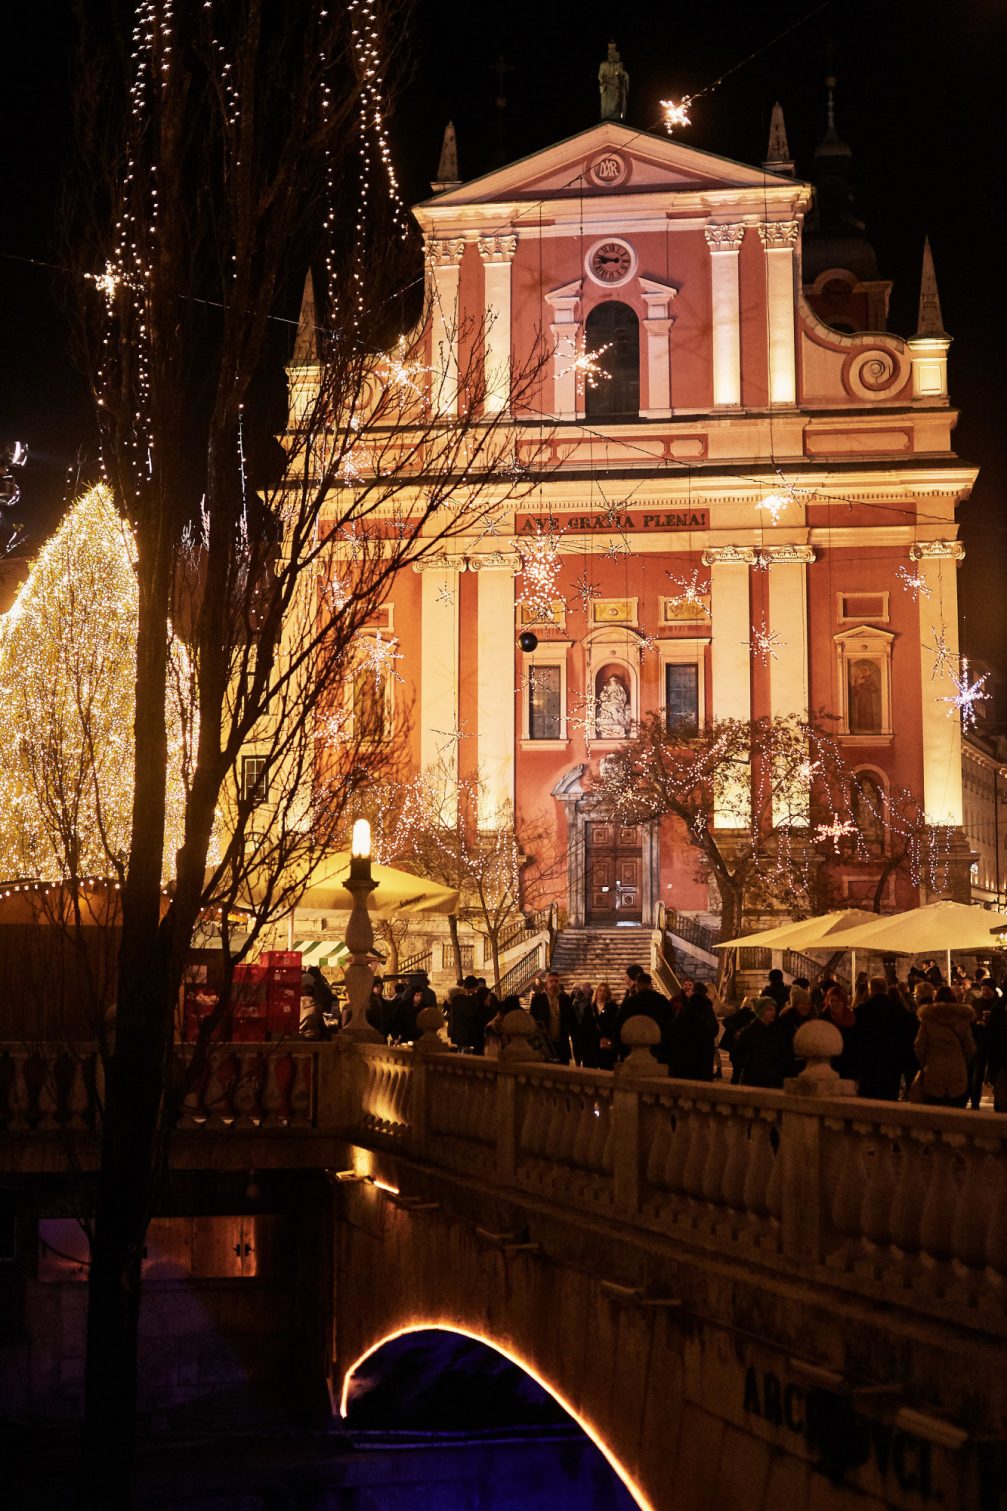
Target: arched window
(614, 326)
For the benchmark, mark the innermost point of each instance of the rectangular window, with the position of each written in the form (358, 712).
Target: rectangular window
(254, 778)
(860, 608)
(545, 709)
(681, 696)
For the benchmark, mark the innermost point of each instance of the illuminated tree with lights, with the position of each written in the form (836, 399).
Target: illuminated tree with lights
(67, 687)
(218, 145)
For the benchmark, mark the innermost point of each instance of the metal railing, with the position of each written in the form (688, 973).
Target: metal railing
(519, 975)
(423, 961)
(692, 931)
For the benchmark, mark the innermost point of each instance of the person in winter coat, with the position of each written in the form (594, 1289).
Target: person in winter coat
(607, 1018)
(645, 1002)
(777, 988)
(584, 1034)
(837, 1011)
(691, 1037)
(762, 1052)
(945, 1049)
(996, 1051)
(736, 1019)
(881, 1028)
(552, 1010)
(796, 1012)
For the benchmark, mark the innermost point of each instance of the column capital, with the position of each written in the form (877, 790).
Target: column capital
(496, 561)
(441, 563)
(735, 556)
(497, 248)
(786, 553)
(778, 235)
(445, 253)
(727, 238)
(937, 550)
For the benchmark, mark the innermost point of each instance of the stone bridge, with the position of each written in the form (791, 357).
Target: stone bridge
(748, 1298)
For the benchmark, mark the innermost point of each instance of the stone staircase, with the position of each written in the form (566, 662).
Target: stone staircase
(600, 955)
(603, 954)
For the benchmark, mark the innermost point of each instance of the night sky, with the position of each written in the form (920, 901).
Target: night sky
(918, 101)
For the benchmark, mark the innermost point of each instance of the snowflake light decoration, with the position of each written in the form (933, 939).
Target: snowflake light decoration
(446, 596)
(915, 582)
(676, 113)
(692, 595)
(378, 657)
(585, 590)
(764, 643)
(840, 828)
(450, 739)
(353, 456)
(400, 377)
(336, 594)
(617, 548)
(945, 659)
(966, 695)
(586, 366)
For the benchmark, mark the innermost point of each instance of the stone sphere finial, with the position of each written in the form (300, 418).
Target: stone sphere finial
(817, 1043)
(519, 1028)
(430, 1021)
(640, 1033)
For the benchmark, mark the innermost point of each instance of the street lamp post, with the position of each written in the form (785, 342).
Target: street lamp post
(358, 975)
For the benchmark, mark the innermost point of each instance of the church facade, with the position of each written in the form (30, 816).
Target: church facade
(734, 495)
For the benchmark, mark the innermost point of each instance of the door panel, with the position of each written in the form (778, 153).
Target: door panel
(614, 873)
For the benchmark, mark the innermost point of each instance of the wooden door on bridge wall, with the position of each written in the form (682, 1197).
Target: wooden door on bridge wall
(614, 873)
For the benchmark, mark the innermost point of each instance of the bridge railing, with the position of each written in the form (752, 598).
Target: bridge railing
(871, 1196)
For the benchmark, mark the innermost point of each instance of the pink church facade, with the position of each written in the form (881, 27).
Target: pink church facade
(680, 276)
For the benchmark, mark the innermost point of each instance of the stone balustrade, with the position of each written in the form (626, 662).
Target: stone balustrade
(888, 1199)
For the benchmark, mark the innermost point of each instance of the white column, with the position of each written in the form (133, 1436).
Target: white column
(730, 629)
(779, 238)
(497, 253)
(657, 329)
(565, 332)
(725, 245)
(788, 673)
(495, 690)
(438, 693)
(937, 563)
(444, 263)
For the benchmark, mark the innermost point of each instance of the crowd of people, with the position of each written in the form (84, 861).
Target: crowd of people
(923, 1039)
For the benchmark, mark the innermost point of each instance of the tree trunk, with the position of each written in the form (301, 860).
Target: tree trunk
(494, 942)
(731, 912)
(455, 945)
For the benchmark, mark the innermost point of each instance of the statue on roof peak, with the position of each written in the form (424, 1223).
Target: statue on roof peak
(613, 86)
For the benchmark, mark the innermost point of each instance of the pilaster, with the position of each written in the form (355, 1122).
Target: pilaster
(657, 329)
(788, 672)
(779, 240)
(565, 331)
(731, 615)
(438, 700)
(495, 699)
(941, 731)
(497, 254)
(725, 245)
(444, 259)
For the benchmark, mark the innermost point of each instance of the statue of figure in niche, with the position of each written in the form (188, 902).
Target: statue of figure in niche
(613, 86)
(869, 812)
(613, 710)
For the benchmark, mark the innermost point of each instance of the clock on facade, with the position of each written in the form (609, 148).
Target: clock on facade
(610, 262)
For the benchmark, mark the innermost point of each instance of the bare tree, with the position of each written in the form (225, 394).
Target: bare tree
(216, 143)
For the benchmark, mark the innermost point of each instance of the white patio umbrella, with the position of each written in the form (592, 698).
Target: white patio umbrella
(806, 934)
(936, 928)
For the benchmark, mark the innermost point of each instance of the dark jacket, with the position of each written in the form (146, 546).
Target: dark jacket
(647, 1003)
(584, 1031)
(690, 1041)
(880, 1049)
(733, 1026)
(539, 1009)
(995, 1037)
(789, 1021)
(762, 1054)
(779, 991)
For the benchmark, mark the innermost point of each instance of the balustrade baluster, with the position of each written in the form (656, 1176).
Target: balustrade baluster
(554, 1133)
(774, 1190)
(573, 1105)
(600, 1129)
(736, 1165)
(996, 1236)
(972, 1220)
(910, 1194)
(8, 1081)
(659, 1123)
(879, 1190)
(699, 1148)
(678, 1153)
(759, 1170)
(851, 1178)
(585, 1126)
(716, 1155)
(940, 1208)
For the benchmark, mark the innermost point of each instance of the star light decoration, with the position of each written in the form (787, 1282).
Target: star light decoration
(915, 582)
(839, 829)
(966, 695)
(675, 113)
(773, 505)
(763, 644)
(586, 366)
(617, 548)
(377, 657)
(585, 590)
(452, 738)
(945, 659)
(401, 372)
(692, 595)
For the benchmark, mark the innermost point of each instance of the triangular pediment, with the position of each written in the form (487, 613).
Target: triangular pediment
(611, 158)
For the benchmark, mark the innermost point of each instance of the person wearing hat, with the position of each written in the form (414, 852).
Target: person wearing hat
(762, 1052)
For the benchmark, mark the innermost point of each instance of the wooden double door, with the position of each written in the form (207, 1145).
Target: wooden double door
(614, 873)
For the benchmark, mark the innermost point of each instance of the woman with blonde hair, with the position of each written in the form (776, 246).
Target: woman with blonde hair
(607, 1017)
